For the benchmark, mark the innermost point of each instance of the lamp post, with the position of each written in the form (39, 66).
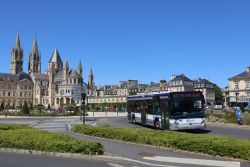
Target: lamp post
(236, 94)
(83, 96)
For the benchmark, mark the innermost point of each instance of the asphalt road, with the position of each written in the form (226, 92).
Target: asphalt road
(211, 129)
(28, 160)
(141, 155)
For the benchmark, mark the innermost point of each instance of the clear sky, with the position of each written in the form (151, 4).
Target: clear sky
(146, 40)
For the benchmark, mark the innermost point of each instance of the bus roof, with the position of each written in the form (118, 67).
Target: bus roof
(166, 95)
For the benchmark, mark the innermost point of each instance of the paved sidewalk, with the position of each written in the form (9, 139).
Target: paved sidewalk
(90, 114)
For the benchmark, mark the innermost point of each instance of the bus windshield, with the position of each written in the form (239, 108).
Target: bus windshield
(187, 107)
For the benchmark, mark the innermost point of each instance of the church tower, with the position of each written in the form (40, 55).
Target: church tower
(34, 59)
(16, 60)
(91, 80)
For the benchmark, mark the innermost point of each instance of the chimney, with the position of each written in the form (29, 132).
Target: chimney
(248, 69)
(173, 77)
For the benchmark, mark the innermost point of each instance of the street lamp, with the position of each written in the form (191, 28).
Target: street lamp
(236, 94)
(83, 97)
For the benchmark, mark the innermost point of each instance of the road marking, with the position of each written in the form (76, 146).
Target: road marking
(194, 161)
(115, 165)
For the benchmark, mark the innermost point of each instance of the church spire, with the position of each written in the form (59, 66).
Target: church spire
(91, 80)
(16, 60)
(80, 68)
(17, 44)
(34, 46)
(34, 58)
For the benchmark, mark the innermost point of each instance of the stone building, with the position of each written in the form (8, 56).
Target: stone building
(16, 87)
(58, 86)
(239, 87)
(207, 89)
(180, 83)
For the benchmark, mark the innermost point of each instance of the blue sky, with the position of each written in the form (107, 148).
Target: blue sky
(146, 40)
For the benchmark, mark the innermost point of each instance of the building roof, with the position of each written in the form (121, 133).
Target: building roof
(153, 87)
(41, 77)
(242, 75)
(74, 74)
(202, 81)
(56, 58)
(14, 77)
(181, 77)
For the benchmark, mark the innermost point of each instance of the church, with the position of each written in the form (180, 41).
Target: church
(60, 85)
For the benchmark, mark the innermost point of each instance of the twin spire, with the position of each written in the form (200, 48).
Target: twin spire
(18, 45)
(35, 58)
(34, 46)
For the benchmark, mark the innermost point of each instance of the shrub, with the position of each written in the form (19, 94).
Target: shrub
(24, 137)
(246, 118)
(230, 117)
(213, 145)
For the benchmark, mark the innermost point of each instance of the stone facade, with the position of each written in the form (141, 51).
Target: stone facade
(239, 87)
(207, 89)
(180, 83)
(59, 86)
(15, 89)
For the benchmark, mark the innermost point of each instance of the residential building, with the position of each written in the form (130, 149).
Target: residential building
(239, 87)
(207, 89)
(180, 83)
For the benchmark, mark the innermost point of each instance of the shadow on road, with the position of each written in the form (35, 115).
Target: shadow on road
(197, 131)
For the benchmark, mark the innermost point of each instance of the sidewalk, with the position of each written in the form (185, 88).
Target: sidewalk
(228, 125)
(90, 114)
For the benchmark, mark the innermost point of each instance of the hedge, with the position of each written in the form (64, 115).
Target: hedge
(24, 137)
(202, 143)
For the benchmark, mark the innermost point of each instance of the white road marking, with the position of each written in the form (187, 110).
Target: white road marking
(114, 165)
(194, 161)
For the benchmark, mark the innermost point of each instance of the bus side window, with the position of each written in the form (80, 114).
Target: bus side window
(157, 106)
(164, 107)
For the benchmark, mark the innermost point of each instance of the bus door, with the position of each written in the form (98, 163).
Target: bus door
(143, 114)
(165, 113)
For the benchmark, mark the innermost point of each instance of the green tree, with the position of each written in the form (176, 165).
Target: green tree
(31, 106)
(25, 109)
(39, 108)
(2, 106)
(218, 94)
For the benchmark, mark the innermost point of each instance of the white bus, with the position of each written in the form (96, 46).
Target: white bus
(174, 111)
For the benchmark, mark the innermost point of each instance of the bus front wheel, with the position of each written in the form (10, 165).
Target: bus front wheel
(157, 124)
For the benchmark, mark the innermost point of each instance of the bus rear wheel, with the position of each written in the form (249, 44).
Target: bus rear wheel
(133, 120)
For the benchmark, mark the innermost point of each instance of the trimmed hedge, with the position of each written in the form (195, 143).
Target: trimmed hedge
(24, 137)
(212, 145)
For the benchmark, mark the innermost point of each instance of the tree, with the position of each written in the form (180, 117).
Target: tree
(2, 106)
(31, 106)
(218, 94)
(39, 108)
(25, 109)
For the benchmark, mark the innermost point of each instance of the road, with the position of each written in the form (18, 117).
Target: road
(141, 155)
(27, 160)
(212, 129)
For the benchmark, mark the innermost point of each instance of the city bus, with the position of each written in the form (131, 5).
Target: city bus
(174, 111)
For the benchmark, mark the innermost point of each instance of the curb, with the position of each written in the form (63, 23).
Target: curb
(67, 155)
(229, 125)
(162, 148)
